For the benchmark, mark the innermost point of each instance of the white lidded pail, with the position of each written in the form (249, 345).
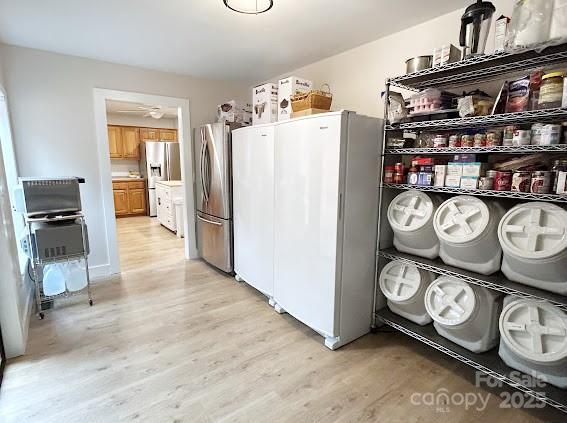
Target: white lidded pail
(404, 286)
(533, 339)
(533, 237)
(465, 314)
(467, 228)
(411, 217)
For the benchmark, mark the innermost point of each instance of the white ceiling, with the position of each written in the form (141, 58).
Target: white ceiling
(204, 38)
(133, 109)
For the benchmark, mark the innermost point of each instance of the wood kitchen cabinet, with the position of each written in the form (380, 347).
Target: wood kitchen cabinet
(115, 142)
(149, 134)
(130, 143)
(124, 142)
(129, 198)
(168, 134)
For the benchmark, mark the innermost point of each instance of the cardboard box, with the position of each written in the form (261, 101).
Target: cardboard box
(234, 111)
(264, 104)
(453, 181)
(562, 183)
(469, 182)
(465, 158)
(286, 88)
(454, 169)
(474, 169)
(500, 32)
(446, 54)
(440, 174)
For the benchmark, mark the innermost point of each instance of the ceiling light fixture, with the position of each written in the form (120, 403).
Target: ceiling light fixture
(249, 7)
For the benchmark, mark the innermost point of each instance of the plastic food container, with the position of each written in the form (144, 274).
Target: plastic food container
(521, 181)
(411, 217)
(533, 237)
(404, 286)
(467, 230)
(465, 314)
(533, 339)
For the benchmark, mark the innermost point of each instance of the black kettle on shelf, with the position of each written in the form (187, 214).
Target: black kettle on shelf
(475, 26)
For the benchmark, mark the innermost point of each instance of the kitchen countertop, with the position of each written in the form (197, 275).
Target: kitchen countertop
(170, 183)
(126, 179)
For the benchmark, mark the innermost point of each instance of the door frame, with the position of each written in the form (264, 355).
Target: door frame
(186, 151)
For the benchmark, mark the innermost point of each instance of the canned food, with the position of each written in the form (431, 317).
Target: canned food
(479, 140)
(467, 140)
(440, 141)
(503, 181)
(493, 139)
(454, 141)
(521, 181)
(522, 137)
(509, 135)
(486, 182)
(541, 182)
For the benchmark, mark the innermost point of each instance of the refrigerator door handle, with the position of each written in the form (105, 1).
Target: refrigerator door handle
(202, 167)
(208, 221)
(207, 165)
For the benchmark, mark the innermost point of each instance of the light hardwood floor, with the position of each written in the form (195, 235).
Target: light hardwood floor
(171, 340)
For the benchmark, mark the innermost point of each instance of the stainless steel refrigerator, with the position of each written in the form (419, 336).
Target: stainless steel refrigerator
(160, 161)
(213, 179)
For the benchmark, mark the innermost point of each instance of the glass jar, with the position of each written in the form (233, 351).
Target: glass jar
(509, 135)
(467, 140)
(454, 141)
(493, 138)
(389, 174)
(479, 140)
(551, 91)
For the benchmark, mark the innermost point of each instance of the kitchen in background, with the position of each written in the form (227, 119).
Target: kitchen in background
(146, 164)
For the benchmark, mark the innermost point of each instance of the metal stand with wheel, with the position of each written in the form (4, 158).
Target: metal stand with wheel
(41, 257)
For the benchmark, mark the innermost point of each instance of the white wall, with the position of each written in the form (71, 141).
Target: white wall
(52, 108)
(357, 76)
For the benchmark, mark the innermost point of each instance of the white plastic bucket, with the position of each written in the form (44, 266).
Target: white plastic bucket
(534, 339)
(411, 217)
(533, 237)
(404, 286)
(467, 229)
(465, 314)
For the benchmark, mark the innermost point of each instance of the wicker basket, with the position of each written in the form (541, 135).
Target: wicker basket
(314, 99)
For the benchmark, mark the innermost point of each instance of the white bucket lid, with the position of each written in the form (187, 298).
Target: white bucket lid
(461, 219)
(400, 281)
(535, 330)
(410, 211)
(450, 301)
(534, 231)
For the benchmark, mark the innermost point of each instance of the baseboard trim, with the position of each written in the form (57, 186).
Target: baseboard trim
(97, 273)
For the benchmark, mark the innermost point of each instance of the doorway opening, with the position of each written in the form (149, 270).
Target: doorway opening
(147, 184)
(146, 170)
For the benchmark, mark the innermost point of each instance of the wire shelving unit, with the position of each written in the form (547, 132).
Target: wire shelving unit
(475, 70)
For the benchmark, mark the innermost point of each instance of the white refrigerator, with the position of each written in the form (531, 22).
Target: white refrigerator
(322, 222)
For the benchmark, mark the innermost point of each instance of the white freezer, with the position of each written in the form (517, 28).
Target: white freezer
(253, 206)
(326, 199)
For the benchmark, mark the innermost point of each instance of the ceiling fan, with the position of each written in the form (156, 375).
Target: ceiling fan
(151, 111)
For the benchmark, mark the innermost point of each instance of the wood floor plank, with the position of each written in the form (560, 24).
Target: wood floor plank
(175, 341)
